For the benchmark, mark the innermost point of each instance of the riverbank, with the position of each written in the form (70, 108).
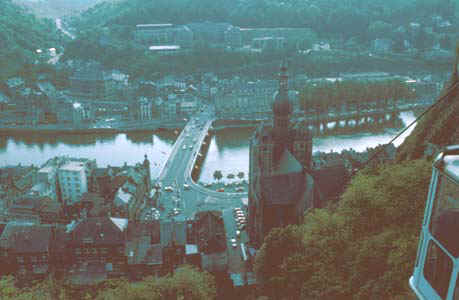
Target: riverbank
(65, 129)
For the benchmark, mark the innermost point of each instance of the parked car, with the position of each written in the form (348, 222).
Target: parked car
(220, 190)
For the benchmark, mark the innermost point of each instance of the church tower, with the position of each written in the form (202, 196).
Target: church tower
(282, 109)
(146, 165)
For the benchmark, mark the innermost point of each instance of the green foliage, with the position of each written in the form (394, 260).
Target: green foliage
(20, 35)
(218, 175)
(321, 96)
(185, 283)
(438, 126)
(43, 290)
(362, 249)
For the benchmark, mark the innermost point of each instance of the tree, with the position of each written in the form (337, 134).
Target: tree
(186, 283)
(240, 175)
(364, 248)
(218, 175)
(380, 29)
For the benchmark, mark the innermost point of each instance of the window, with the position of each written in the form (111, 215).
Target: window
(20, 259)
(445, 214)
(456, 290)
(437, 269)
(33, 259)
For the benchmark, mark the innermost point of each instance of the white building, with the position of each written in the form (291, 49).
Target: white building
(145, 108)
(73, 181)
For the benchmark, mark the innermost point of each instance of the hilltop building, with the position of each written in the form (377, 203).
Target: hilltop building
(281, 187)
(164, 35)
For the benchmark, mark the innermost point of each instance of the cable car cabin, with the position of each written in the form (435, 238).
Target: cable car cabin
(436, 270)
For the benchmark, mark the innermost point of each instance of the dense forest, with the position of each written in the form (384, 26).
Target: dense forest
(440, 125)
(363, 248)
(325, 95)
(326, 17)
(21, 34)
(106, 31)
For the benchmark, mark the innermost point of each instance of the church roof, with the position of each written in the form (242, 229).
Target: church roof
(287, 164)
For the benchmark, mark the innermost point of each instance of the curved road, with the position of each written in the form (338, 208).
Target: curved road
(176, 174)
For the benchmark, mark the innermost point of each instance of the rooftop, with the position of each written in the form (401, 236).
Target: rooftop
(163, 25)
(73, 166)
(164, 47)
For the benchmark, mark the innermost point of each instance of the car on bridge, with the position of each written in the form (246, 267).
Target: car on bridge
(168, 189)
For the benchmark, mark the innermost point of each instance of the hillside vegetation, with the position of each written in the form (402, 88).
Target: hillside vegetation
(440, 126)
(326, 17)
(364, 248)
(21, 33)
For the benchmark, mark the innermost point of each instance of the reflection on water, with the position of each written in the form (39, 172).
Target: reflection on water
(229, 148)
(107, 149)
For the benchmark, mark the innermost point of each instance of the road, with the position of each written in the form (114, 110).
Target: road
(64, 31)
(186, 197)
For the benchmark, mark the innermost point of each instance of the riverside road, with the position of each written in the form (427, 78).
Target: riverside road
(180, 197)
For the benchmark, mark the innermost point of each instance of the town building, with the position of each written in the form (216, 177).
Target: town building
(280, 185)
(97, 249)
(27, 249)
(210, 32)
(233, 37)
(164, 35)
(269, 44)
(382, 45)
(88, 82)
(73, 181)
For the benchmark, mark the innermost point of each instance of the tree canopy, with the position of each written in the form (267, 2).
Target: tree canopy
(21, 34)
(364, 248)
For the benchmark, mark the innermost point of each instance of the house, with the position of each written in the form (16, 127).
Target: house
(97, 249)
(382, 45)
(37, 209)
(210, 232)
(28, 249)
(322, 46)
(143, 249)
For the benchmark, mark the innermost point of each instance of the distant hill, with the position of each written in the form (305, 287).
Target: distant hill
(21, 34)
(440, 126)
(57, 8)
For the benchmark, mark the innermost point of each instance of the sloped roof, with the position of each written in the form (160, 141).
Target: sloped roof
(97, 230)
(287, 164)
(26, 237)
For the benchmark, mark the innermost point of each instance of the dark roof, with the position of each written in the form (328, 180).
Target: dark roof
(211, 231)
(330, 181)
(89, 72)
(97, 230)
(100, 172)
(287, 164)
(284, 189)
(26, 237)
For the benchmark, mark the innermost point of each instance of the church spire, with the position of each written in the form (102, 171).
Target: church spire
(283, 78)
(282, 108)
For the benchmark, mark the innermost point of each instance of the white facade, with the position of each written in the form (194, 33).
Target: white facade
(73, 181)
(145, 108)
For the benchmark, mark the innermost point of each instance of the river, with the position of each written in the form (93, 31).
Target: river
(228, 151)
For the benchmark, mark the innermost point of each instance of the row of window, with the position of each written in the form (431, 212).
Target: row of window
(21, 259)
